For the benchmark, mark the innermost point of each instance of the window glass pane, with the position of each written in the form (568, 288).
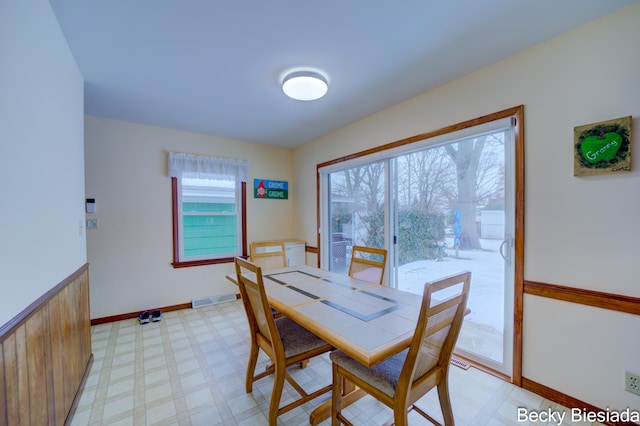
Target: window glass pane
(209, 222)
(207, 195)
(212, 207)
(356, 211)
(450, 218)
(209, 235)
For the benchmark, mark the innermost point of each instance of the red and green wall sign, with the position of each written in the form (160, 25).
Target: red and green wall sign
(263, 188)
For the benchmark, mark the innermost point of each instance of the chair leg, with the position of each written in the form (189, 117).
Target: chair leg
(278, 385)
(336, 397)
(400, 417)
(251, 366)
(445, 402)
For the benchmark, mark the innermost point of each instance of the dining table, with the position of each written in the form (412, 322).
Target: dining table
(368, 322)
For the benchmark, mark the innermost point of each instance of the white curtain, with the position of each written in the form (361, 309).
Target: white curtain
(204, 167)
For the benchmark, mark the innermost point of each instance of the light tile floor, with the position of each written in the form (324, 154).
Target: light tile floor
(189, 368)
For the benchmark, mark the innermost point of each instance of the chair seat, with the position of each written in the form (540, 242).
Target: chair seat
(383, 376)
(296, 339)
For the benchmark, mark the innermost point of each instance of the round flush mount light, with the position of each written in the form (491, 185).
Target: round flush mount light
(305, 85)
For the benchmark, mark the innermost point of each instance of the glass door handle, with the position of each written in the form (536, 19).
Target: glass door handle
(507, 257)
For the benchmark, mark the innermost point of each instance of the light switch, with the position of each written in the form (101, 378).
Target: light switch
(92, 223)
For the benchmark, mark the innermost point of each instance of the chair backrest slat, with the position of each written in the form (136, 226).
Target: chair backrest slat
(368, 264)
(255, 300)
(268, 254)
(438, 328)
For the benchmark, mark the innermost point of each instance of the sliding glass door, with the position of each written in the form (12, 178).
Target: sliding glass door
(438, 207)
(452, 211)
(356, 212)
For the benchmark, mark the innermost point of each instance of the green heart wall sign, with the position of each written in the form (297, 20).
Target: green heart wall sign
(601, 148)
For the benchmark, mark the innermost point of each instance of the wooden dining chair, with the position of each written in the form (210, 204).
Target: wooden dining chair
(368, 264)
(268, 254)
(285, 342)
(402, 379)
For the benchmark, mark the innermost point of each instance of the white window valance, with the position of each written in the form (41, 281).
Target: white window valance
(205, 167)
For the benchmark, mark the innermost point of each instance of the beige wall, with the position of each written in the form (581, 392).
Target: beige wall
(580, 232)
(41, 150)
(130, 254)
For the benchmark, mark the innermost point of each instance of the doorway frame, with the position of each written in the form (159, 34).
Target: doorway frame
(517, 115)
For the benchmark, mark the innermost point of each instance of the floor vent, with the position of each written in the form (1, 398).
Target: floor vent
(212, 300)
(459, 363)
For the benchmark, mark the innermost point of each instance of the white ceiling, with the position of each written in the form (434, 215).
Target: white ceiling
(215, 66)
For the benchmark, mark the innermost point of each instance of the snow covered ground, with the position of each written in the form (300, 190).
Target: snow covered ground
(487, 278)
(487, 289)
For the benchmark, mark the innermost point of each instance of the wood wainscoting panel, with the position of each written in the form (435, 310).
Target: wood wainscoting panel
(24, 403)
(69, 345)
(36, 366)
(3, 392)
(10, 368)
(45, 356)
(56, 360)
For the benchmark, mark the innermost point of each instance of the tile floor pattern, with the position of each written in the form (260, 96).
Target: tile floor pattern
(189, 368)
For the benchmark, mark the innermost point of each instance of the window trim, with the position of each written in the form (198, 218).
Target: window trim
(175, 211)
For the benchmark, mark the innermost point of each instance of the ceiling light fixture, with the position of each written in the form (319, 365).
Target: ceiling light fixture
(305, 85)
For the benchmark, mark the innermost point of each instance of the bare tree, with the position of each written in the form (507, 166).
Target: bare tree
(490, 175)
(425, 177)
(466, 156)
(373, 187)
(362, 191)
(462, 175)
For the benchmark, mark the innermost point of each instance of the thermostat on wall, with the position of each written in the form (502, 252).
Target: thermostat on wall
(91, 205)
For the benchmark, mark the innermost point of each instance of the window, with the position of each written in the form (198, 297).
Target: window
(209, 214)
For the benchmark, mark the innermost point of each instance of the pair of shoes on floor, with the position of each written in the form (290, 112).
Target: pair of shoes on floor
(145, 317)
